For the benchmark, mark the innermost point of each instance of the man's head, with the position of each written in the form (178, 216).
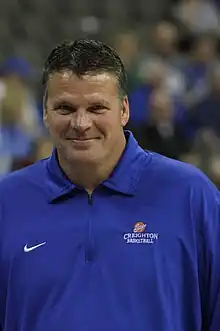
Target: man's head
(205, 48)
(127, 46)
(165, 38)
(161, 107)
(85, 102)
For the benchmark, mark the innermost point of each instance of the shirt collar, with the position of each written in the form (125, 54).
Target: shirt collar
(124, 178)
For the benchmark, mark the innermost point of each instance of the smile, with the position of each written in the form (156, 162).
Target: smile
(82, 140)
(82, 144)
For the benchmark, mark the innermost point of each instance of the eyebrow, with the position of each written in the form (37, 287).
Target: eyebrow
(98, 102)
(56, 103)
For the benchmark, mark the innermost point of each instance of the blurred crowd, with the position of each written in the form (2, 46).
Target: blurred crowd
(23, 139)
(173, 89)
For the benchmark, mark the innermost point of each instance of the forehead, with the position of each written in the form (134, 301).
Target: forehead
(69, 86)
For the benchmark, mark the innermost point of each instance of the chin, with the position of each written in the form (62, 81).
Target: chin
(82, 157)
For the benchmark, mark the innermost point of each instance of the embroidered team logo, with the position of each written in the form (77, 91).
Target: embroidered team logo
(140, 235)
(139, 227)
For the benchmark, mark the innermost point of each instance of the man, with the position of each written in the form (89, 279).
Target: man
(103, 235)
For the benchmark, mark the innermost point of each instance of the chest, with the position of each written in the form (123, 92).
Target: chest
(46, 243)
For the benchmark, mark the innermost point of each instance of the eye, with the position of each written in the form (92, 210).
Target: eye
(98, 108)
(64, 109)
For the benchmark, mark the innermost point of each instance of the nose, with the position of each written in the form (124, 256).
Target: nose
(81, 120)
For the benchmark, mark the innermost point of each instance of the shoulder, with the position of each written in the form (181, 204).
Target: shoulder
(19, 181)
(177, 176)
(174, 185)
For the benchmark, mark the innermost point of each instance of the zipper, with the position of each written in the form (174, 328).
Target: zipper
(89, 256)
(90, 199)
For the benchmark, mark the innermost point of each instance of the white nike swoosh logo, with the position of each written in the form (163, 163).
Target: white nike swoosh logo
(28, 249)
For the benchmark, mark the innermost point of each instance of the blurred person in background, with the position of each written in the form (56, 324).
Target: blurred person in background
(205, 153)
(160, 68)
(205, 121)
(162, 133)
(41, 148)
(165, 38)
(19, 117)
(127, 46)
(206, 113)
(202, 62)
(197, 16)
(44, 148)
(154, 76)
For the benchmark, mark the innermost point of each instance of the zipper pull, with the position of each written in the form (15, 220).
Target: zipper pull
(90, 198)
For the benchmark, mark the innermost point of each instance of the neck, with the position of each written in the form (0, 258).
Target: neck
(91, 176)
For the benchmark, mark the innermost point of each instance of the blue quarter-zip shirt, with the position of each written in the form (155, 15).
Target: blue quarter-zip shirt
(141, 254)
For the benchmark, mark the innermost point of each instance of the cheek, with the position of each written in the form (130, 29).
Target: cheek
(58, 126)
(108, 123)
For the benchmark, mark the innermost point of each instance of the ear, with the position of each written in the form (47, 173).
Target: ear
(45, 118)
(45, 111)
(125, 112)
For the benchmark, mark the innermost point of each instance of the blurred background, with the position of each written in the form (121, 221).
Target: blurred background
(171, 51)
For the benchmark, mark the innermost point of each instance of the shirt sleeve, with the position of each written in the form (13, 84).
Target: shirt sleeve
(207, 212)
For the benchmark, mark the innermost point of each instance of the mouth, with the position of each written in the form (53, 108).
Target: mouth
(81, 139)
(82, 143)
